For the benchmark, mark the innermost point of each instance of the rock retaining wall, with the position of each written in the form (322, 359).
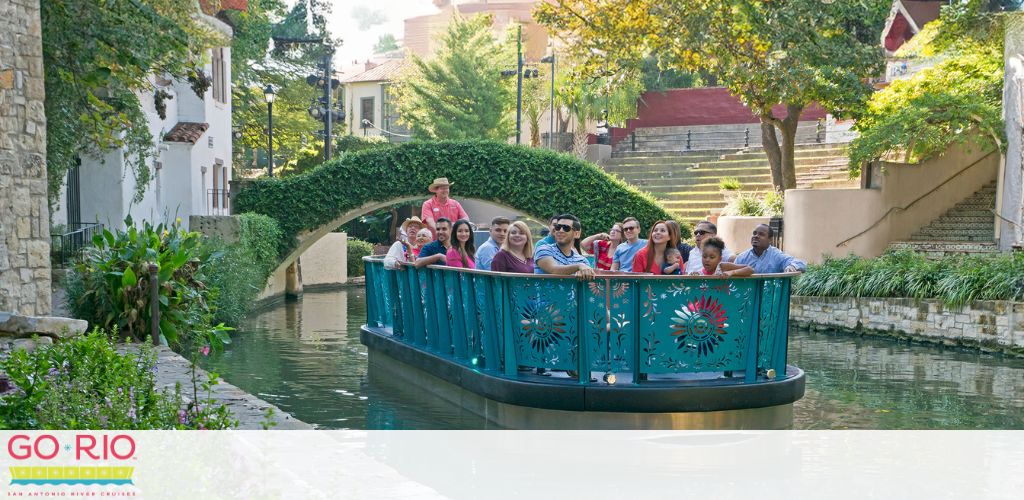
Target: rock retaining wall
(27, 332)
(24, 211)
(989, 325)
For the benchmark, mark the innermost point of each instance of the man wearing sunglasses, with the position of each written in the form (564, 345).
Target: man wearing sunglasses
(562, 257)
(626, 251)
(703, 231)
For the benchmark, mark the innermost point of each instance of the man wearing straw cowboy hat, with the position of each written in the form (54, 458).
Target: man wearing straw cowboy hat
(441, 205)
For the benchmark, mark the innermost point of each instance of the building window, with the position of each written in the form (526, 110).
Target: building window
(366, 112)
(220, 80)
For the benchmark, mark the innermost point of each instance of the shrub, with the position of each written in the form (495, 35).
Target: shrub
(354, 143)
(84, 383)
(237, 272)
(773, 204)
(956, 280)
(729, 184)
(537, 182)
(357, 249)
(744, 204)
(110, 285)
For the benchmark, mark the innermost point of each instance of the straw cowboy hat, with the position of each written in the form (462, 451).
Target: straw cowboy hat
(440, 181)
(411, 220)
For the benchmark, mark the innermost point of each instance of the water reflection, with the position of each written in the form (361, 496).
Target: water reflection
(306, 358)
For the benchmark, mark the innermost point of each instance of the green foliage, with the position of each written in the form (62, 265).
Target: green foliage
(385, 43)
(956, 280)
(917, 118)
(285, 67)
(357, 249)
(744, 204)
(237, 273)
(774, 204)
(85, 383)
(537, 182)
(110, 286)
(98, 57)
(657, 79)
(769, 53)
(729, 184)
(354, 143)
(459, 93)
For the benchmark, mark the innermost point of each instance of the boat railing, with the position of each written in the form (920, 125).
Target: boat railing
(646, 326)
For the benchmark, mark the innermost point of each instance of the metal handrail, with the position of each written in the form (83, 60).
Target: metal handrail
(694, 138)
(618, 323)
(70, 244)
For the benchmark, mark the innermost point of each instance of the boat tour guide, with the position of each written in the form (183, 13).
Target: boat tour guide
(441, 206)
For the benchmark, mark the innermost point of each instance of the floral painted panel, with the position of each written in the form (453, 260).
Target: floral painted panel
(543, 320)
(770, 314)
(695, 325)
(610, 323)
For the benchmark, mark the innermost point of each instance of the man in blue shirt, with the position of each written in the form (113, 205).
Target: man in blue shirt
(485, 254)
(624, 253)
(562, 257)
(436, 251)
(765, 258)
(550, 238)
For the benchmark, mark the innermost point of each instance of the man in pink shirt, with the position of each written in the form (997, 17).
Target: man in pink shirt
(441, 205)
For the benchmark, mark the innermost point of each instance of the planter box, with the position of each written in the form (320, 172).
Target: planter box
(735, 230)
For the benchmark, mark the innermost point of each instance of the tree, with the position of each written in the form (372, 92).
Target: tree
(767, 52)
(386, 43)
(98, 59)
(611, 98)
(962, 94)
(255, 65)
(459, 93)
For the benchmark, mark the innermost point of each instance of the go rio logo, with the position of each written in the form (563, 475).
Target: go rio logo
(43, 449)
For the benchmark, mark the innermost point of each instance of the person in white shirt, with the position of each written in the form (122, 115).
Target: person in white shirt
(703, 231)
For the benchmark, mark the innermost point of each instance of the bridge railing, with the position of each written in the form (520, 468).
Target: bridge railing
(641, 325)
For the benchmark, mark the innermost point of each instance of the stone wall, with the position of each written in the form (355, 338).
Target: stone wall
(24, 212)
(989, 325)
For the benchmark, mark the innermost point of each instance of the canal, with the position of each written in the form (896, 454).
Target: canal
(305, 357)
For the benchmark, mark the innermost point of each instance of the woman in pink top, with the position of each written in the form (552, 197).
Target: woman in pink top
(463, 251)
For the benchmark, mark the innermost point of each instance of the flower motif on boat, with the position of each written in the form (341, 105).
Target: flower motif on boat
(618, 289)
(700, 326)
(543, 325)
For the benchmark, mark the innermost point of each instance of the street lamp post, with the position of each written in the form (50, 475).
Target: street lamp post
(518, 72)
(270, 95)
(551, 107)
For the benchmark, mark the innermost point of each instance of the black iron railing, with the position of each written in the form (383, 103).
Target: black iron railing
(69, 244)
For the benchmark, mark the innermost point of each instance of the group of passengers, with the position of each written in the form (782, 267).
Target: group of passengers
(443, 235)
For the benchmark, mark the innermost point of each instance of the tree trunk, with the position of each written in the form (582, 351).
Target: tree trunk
(788, 130)
(770, 143)
(579, 142)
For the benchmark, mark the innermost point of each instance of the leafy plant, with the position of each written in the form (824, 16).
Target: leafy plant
(236, 273)
(357, 249)
(913, 119)
(773, 204)
(956, 280)
(85, 383)
(110, 285)
(729, 184)
(354, 143)
(744, 204)
(536, 182)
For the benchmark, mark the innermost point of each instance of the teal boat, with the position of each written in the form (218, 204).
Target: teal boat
(624, 351)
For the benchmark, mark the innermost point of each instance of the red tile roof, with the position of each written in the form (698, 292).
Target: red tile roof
(381, 73)
(210, 7)
(189, 132)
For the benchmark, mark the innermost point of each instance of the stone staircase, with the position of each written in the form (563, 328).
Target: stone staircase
(686, 182)
(968, 227)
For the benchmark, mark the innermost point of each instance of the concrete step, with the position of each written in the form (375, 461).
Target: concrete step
(703, 170)
(657, 161)
(953, 236)
(805, 147)
(956, 226)
(639, 153)
(938, 249)
(797, 153)
(807, 161)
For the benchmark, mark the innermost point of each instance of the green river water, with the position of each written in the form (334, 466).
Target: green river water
(305, 357)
